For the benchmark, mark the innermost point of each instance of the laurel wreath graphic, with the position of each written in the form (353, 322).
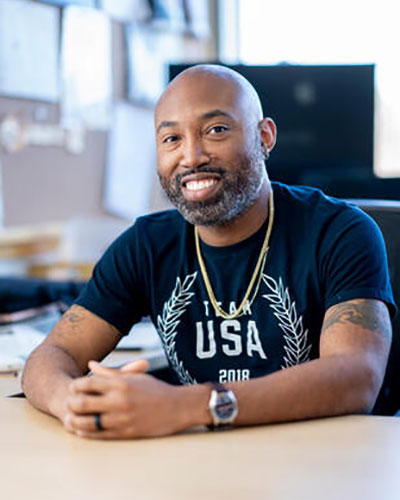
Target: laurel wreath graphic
(296, 348)
(168, 322)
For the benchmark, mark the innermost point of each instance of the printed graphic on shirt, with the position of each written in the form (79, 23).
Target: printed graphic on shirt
(238, 337)
(296, 348)
(169, 321)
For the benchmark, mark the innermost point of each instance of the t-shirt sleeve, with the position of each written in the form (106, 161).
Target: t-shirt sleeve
(116, 290)
(354, 261)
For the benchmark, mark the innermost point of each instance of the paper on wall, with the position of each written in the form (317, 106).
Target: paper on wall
(86, 68)
(131, 162)
(148, 53)
(126, 10)
(29, 50)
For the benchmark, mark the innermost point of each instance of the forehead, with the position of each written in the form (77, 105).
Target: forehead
(193, 96)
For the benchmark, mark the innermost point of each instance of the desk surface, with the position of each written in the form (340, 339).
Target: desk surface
(355, 457)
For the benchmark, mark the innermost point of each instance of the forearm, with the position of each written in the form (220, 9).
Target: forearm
(333, 385)
(328, 386)
(46, 378)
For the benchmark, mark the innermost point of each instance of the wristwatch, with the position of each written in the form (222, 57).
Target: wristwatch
(223, 406)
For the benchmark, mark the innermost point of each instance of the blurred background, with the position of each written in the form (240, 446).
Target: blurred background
(79, 80)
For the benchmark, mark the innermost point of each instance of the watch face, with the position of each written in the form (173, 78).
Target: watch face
(225, 407)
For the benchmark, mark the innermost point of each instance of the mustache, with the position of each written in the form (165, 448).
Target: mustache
(200, 170)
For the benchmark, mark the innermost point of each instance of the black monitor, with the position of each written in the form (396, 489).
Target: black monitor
(324, 115)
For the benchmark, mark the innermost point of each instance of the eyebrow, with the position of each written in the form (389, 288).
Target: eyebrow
(215, 113)
(205, 116)
(166, 124)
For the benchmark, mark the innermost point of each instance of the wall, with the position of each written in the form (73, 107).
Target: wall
(49, 184)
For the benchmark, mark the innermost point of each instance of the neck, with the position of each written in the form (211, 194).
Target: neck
(241, 227)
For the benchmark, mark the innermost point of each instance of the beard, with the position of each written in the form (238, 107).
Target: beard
(240, 189)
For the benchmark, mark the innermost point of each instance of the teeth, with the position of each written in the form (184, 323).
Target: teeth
(197, 185)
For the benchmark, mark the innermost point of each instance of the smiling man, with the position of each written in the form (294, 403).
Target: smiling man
(272, 302)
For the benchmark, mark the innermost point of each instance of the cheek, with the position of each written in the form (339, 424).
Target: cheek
(237, 146)
(165, 164)
(225, 152)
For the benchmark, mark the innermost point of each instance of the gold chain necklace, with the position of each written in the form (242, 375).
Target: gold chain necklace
(258, 271)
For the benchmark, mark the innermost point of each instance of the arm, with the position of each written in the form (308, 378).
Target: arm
(354, 346)
(78, 337)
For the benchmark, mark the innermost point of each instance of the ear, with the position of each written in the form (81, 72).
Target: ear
(268, 135)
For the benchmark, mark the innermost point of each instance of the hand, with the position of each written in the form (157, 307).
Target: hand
(131, 404)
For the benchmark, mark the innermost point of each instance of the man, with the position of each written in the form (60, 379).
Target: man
(280, 294)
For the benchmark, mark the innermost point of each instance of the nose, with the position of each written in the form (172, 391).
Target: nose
(194, 154)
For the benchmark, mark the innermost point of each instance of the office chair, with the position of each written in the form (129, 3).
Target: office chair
(387, 215)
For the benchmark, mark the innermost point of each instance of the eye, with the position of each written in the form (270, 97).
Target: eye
(218, 129)
(169, 139)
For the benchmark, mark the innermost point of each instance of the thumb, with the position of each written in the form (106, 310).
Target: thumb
(138, 366)
(105, 371)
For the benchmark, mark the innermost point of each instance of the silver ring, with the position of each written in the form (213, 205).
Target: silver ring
(97, 422)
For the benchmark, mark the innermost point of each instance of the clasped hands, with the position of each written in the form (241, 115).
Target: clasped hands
(130, 402)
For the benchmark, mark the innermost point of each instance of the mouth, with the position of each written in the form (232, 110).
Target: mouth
(200, 187)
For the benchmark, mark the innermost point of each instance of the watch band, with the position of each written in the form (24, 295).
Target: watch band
(218, 386)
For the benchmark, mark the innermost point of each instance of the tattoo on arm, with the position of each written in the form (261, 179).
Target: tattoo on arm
(73, 321)
(368, 313)
(72, 317)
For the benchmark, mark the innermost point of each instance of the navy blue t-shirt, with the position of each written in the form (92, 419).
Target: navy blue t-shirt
(322, 251)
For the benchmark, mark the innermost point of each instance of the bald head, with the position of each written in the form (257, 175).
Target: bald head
(203, 80)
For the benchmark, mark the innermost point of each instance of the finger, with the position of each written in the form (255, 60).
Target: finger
(109, 421)
(85, 426)
(138, 366)
(87, 423)
(74, 423)
(94, 384)
(81, 403)
(104, 371)
(105, 435)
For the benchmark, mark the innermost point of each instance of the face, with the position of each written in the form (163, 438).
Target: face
(210, 158)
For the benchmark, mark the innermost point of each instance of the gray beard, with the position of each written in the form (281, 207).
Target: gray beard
(239, 191)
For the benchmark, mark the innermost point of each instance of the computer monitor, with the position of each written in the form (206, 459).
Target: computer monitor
(324, 115)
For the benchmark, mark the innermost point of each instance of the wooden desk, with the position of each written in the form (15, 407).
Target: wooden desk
(349, 458)
(10, 384)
